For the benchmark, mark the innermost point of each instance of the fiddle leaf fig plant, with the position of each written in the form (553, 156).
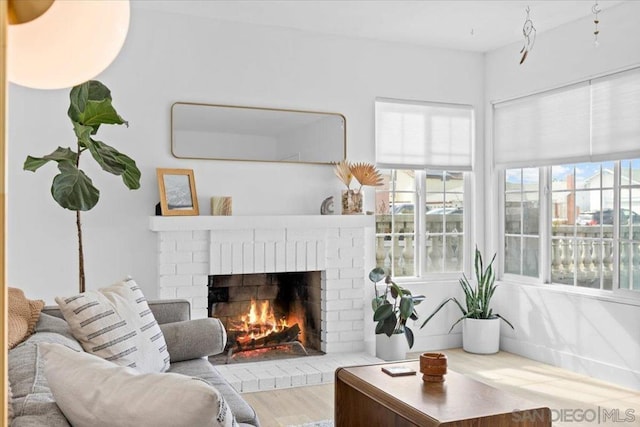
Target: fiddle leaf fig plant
(90, 107)
(393, 307)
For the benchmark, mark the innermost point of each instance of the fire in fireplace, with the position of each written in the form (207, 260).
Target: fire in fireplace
(271, 311)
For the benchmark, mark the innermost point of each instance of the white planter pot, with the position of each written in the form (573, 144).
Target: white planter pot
(481, 336)
(391, 348)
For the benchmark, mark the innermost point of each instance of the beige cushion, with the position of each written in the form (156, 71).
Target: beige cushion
(92, 392)
(22, 316)
(116, 324)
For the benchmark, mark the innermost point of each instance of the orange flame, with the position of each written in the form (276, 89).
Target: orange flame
(261, 321)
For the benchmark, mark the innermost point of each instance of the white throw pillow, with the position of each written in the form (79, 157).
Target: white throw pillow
(116, 324)
(92, 392)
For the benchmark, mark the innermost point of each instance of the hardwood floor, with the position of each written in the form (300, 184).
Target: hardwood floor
(575, 400)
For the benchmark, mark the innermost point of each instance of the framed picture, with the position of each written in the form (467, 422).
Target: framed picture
(177, 192)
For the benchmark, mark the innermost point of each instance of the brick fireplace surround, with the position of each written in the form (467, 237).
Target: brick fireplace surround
(192, 248)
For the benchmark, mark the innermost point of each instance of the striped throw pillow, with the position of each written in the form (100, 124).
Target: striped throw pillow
(116, 324)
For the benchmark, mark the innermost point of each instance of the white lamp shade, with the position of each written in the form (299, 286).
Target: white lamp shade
(72, 42)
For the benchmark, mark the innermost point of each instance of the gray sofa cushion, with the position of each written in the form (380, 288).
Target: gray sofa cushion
(192, 339)
(33, 403)
(203, 369)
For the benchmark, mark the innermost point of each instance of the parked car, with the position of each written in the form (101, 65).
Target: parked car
(606, 217)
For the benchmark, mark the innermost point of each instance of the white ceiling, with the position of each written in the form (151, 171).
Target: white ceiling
(477, 26)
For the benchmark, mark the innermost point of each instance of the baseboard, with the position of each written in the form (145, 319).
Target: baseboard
(573, 362)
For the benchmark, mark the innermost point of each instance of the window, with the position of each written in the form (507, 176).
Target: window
(573, 218)
(424, 152)
(415, 239)
(593, 219)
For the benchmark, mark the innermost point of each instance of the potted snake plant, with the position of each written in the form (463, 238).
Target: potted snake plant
(392, 308)
(480, 325)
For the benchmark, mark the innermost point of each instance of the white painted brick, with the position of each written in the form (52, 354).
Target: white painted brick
(358, 325)
(358, 262)
(247, 257)
(351, 336)
(193, 246)
(174, 281)
(337, 305)
(352, 232)
(351, 294)
(201, 257)
(298, 379)
(175, 236)
(281, 257)
(339, 284)
(290, 256)
(330, 273)
(273, 235)
(199, 302)
(167, 246)
(332, 316)
(200, 280)
(226, 257)
(175, 257)
(236, 257)
(167, 269)
(267, 383)
(357, 345)
(167, 293)
(338, 347)
(351, 252)
(358, 303)
(311, 256)
(201, 235)
(358, 283)
(339, 263)
(304, 234)
(301, 256)
(331, 336)
(332, 295)
(358, 242)
(339, 326)
(270, 257)
(332, 233)
(250, 386)
(191, 291)
(215, 259)
(199, 313)
(321, 255)
(352, 315)
(193, 268)
(351, 273)
(232, 236)
(259, 257)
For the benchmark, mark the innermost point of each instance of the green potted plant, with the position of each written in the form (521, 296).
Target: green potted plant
(391, 309)
(72, 189)
(480, 325)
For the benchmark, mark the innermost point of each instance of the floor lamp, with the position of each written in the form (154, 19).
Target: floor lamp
(44, 45)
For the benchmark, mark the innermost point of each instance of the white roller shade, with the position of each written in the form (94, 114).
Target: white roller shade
(616, 116)
(543, 129)
(416, 135)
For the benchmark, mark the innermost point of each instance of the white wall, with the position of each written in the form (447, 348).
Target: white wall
(169, 58)
(596, 336)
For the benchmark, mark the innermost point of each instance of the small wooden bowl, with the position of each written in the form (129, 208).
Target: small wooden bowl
(433, 367)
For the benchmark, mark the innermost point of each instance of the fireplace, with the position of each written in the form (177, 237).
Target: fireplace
(267, 314)
(192, 250)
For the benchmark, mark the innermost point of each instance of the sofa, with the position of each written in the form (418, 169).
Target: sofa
(188, 342)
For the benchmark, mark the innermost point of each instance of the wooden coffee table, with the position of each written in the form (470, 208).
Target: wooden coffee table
(367, 397)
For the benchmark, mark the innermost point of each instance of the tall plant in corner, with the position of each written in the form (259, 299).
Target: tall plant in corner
(72, 189)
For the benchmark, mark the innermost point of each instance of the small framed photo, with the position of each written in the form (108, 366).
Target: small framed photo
(177, 192)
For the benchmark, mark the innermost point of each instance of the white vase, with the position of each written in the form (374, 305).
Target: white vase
(481, 336)
(391, 348)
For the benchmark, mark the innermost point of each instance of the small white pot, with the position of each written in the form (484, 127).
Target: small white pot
(481, 336)
(391, 348)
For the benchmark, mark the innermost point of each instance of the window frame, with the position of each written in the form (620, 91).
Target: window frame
(616, 294)
(420, 234)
